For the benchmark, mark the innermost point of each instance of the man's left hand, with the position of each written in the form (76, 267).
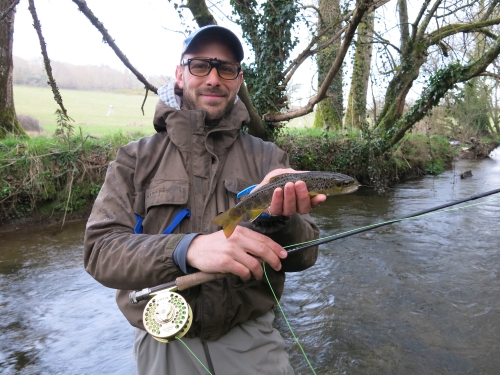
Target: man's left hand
(294, 198)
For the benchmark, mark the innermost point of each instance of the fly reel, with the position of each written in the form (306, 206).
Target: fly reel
(167, 316)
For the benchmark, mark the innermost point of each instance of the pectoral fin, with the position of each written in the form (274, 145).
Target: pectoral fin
(254, 214)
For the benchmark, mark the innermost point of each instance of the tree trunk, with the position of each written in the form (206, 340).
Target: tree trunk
(356, 107)
(8, 119)
(329, 112)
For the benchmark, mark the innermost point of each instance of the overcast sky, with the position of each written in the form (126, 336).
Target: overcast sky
(145, 31)
(139, 28)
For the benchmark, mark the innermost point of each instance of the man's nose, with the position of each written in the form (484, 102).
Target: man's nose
(213, 77)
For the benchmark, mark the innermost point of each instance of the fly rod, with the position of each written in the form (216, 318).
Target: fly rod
(324, 240)
(189, 281)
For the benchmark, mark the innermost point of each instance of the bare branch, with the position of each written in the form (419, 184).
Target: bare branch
(496, 76)
(82, 6)
(414, 26)
(456, 28)
(385, 42)
(427, 20)
(454, 11)
(308, 52)
(490, 9)
(9, 9)
(46, 60)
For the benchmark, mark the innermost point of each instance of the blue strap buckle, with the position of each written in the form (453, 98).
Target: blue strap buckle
(245, 191)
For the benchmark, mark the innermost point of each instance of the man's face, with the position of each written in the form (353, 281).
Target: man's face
(211, 93)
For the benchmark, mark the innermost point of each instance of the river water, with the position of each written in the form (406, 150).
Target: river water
(416, 297)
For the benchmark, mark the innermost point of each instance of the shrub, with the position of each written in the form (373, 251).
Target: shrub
(30, 124)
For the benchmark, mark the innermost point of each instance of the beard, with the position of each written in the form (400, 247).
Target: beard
(214, 110)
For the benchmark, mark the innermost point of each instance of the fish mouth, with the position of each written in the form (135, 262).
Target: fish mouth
(351, 189)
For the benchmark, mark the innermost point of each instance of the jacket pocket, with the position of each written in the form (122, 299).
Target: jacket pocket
(226, 193)
(169, 192)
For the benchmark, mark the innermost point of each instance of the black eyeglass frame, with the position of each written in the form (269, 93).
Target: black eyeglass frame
(210, 62)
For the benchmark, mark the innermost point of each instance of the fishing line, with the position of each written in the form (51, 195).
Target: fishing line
(428, 212)
(286, 320)
(304, 245)
(194, 355)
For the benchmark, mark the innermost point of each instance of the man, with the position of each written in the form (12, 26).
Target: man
(200, 160)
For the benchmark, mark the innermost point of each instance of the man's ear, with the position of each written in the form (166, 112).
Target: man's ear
(179, 76)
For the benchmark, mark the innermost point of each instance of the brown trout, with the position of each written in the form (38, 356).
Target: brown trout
(328, 183)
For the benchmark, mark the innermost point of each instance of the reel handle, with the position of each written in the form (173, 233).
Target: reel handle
(188, 281)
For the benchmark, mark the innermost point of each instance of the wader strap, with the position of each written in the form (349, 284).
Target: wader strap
(209, 359)
(138, 224)
(177, 219)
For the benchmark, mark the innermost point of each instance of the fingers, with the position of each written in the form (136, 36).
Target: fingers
(318, 200)
(294, 198)
(303, 202)
(240, 254)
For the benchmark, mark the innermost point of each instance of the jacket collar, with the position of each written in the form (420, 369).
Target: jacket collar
(182, 124)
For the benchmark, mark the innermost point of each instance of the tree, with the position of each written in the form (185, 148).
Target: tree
(356, 105)
(330, 111)
(455, 22)
(8, 120)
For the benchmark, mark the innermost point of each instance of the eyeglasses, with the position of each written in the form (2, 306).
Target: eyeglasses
(203, 67)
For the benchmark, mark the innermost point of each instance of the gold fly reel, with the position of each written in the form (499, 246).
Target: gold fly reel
(167, 316)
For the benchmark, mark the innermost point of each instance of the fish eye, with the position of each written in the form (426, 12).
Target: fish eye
(339, 184)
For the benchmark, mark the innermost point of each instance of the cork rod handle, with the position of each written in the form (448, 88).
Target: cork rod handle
(188, 281)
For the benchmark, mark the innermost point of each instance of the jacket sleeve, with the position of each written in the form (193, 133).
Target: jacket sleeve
(113, 254)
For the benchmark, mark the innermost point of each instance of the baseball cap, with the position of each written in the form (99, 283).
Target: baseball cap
(214, 30)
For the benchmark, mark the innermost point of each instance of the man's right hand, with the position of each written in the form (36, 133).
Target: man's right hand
(241, 254)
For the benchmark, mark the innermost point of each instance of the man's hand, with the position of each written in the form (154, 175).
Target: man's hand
(294, 198)
(240, 254)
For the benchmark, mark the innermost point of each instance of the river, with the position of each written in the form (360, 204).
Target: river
(415, 297)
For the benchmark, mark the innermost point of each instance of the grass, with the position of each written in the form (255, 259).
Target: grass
(88, 109)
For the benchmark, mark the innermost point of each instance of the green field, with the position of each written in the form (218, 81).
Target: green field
(88, 109)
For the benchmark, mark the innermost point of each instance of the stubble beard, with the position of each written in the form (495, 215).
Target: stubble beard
(212, 112)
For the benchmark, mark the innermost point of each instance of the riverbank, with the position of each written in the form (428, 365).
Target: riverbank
(47, 181)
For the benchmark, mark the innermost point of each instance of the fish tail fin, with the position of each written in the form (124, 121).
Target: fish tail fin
(254, 214)
(227, 221)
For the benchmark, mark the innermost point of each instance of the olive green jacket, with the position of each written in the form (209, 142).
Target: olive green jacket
(186, 164)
